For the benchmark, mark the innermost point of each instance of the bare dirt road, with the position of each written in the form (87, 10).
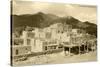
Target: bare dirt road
(58, 58)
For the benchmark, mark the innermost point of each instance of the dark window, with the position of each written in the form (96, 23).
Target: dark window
(45, 47)
(31, 35)
(62, 32)
(26, 48)
(18, 41)
(17, 52)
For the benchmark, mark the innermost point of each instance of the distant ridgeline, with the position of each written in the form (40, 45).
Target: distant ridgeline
(41, 20)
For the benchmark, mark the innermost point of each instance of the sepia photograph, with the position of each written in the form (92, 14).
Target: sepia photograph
(52, 33)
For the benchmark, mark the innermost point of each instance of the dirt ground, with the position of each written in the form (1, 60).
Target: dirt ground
(58, 58)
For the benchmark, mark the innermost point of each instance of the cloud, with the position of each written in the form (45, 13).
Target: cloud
(38, 6)
(81, 12)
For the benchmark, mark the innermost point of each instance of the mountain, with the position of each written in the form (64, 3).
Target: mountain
(91, 28)
(35, 20)
(42, 20)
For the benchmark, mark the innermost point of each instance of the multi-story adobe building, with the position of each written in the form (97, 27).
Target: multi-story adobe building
(49, 38)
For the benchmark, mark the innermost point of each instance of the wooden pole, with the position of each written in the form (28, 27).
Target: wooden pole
(79, 50)
(92, 46)
(69, 51)
(64, 51)
(84, 47)
(87, 48)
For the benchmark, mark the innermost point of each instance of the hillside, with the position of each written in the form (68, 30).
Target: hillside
(42, 20)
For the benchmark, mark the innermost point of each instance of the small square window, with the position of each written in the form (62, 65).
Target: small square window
(45, 47)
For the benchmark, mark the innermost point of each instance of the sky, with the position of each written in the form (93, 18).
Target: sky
(81, 12)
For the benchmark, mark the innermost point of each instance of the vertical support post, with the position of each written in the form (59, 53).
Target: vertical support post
(69, 51)
(87, 48)
(64, 51)
(79, 50)
(84, 47)
(92, 46)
